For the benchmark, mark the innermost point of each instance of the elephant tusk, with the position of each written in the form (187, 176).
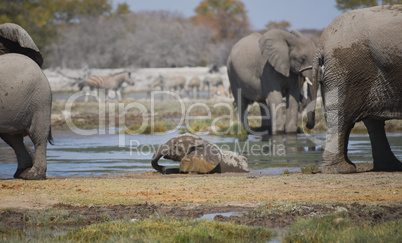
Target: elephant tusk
(304, 90)
(308, 81)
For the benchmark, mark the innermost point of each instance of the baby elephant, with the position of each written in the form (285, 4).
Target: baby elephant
(197, 155)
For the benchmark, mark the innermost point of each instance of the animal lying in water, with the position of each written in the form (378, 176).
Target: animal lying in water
(197, 155)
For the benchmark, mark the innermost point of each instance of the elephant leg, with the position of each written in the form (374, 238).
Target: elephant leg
(38, 170)
(242, 104)
(38, 133)
(242, 109)
(266, 123)
(292, 109)
(274, 101)
(384, 159)
(335, 154)
(23, 153)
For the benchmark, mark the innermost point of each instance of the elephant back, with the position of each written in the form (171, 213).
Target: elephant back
(14, 39)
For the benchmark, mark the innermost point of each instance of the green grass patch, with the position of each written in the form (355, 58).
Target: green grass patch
(148, 230)
(312, 168)
(233, 130)
(340, 228)
(168, 230)
(196, 125)
(158, 126)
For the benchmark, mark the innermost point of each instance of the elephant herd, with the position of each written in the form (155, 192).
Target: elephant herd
(357, 64)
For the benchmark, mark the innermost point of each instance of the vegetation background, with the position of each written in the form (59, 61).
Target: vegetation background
(94, 34)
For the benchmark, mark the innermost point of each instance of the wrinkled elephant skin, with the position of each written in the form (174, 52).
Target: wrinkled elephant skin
(264, 69)
(26, 100)
(197, 155)
(361, 56)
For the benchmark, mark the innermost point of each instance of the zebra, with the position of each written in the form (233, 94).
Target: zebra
(107, 83)
(171, 83)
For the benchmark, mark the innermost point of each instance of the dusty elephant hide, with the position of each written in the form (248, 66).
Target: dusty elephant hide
(197, 155)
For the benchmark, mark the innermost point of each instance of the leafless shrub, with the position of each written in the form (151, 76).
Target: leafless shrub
(147, 39)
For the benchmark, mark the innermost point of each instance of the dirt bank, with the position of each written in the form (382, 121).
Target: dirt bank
(268, 201)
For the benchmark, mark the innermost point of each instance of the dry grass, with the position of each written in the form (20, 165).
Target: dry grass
(203, 189)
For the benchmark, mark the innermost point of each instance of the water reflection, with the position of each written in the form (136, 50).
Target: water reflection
(101, 155)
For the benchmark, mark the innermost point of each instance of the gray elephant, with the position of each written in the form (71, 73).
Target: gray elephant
(14, 39)
(25, 102)
(361, 55)
(264, 68)
(197, 155)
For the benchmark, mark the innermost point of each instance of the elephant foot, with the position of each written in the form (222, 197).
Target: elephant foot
(389, 165)
(32, 174)
(267, 129)
(339, 168)
(335, 163)
(19, 171)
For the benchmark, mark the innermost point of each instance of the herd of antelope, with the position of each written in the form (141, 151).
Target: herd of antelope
(211, 83)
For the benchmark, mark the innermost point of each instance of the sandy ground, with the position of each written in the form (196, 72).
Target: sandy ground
(142, 195)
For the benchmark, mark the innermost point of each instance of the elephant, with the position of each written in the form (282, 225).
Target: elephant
(360, 53)
(14, 39)
(197, 155)
(264, 68)
(26, 100)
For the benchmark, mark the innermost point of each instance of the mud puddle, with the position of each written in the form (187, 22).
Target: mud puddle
(62, 218)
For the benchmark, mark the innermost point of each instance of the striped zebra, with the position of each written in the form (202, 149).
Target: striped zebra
(107, 83)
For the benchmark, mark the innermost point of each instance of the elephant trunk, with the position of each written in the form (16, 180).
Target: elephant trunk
(316, 66)
(158, 154)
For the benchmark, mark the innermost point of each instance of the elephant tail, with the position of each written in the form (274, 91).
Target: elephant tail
(318, 59)
(50, 137)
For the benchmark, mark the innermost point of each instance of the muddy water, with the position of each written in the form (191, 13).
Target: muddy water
(110, 155)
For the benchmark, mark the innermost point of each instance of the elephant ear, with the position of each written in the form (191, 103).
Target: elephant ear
(14, 39)
(275, 49)
(296, 33)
